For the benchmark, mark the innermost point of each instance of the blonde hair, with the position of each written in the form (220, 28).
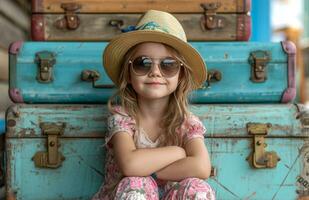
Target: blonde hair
(178, 101)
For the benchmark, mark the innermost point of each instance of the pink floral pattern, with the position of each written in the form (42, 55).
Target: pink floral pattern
(191, 188)
(116, 186)
(191, 128)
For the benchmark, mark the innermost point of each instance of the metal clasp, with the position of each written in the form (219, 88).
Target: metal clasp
(213, 76)
(92, 76)
(259, 158)
(70, 21)
(45, 61)
(210, 20)
(258, 61)
(52, 158)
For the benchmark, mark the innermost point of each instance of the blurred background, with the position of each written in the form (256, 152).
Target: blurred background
(272, 20)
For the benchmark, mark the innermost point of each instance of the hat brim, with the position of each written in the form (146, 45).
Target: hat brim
(118, 47)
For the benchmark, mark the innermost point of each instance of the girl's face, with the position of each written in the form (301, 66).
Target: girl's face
(155, 83)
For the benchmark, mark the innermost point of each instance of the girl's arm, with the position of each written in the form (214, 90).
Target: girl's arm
(142, 162)
(196, 164)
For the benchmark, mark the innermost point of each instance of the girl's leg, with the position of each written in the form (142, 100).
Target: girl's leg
(137, 188)
(190, 188)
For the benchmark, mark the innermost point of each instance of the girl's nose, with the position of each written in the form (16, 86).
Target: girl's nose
(155, 70)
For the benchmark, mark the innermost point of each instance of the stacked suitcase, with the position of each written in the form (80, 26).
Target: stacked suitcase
(257, 139)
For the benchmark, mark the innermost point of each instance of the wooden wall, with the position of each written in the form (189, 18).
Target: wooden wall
(14, 25)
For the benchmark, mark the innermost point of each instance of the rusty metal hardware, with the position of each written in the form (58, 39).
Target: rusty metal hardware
(213, 76)
(258, 61)
(210, 20)
(52, 158)
(118, 23)
(45, 60)
(305, 122)
(213, 172)
(70, 20)
(304, 118)
(259, 158)
(93, 76)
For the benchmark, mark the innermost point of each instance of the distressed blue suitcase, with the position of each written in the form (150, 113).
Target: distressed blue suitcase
(257, 151)
(72, 72)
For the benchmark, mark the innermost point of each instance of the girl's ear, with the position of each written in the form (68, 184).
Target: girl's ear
(180, 76)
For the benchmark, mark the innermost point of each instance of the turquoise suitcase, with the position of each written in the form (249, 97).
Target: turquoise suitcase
(257, 151)
(72, 72)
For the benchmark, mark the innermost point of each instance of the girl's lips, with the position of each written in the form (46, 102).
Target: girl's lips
(155, 83)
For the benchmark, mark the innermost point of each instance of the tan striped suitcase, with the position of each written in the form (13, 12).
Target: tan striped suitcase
(100, 20)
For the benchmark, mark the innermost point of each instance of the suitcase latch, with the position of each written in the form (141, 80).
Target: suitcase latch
(259, 158)
(210, 20)
(52, 158)
(258, 61)
(45, 61)
(70, 21)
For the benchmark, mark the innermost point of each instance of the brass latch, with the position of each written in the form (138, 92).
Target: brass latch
(45, 60)
(210, 20)
(259, 158)
(52, 158)
(70, 21)
(258, 61)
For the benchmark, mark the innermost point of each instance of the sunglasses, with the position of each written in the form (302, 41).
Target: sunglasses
(168, 66)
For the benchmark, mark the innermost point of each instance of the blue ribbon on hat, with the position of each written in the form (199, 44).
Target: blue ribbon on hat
(147, 26)
(128, 29)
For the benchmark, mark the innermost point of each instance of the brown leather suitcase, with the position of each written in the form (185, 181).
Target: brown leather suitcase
(100, 20)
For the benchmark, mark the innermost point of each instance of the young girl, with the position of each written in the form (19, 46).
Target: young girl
(155, 146)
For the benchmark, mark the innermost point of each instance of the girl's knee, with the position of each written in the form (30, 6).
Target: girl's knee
(192, 181)
(138, 182)
(195, 188)
(137, 188)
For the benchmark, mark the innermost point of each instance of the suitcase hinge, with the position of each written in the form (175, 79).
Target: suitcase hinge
(259, 158)
(70, 21)
(52, 158)
(210, 20)
(258, 61)
(45, 61)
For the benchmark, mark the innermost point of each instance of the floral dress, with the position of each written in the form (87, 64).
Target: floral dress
(116, 186)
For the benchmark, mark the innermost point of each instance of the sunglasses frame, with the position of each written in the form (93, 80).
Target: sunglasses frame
(152, 65)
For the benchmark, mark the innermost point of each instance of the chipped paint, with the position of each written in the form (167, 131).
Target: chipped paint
(227, 141)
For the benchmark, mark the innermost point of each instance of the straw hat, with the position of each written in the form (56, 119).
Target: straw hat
(154, 26)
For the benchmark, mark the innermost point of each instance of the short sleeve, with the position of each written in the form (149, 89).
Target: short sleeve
(191, 128)
(119, 122)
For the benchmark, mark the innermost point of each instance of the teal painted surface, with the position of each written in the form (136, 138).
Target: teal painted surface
(261, 20)
(2, 126)
(79, 177)
(227, 141)
(82, 171)
(230, 58)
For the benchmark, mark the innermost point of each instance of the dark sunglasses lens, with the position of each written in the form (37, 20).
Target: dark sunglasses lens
(142, 65)
(169, 66)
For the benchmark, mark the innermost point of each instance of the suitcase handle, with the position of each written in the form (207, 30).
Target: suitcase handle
(116, 23)
(93, 76)
(213, 76)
